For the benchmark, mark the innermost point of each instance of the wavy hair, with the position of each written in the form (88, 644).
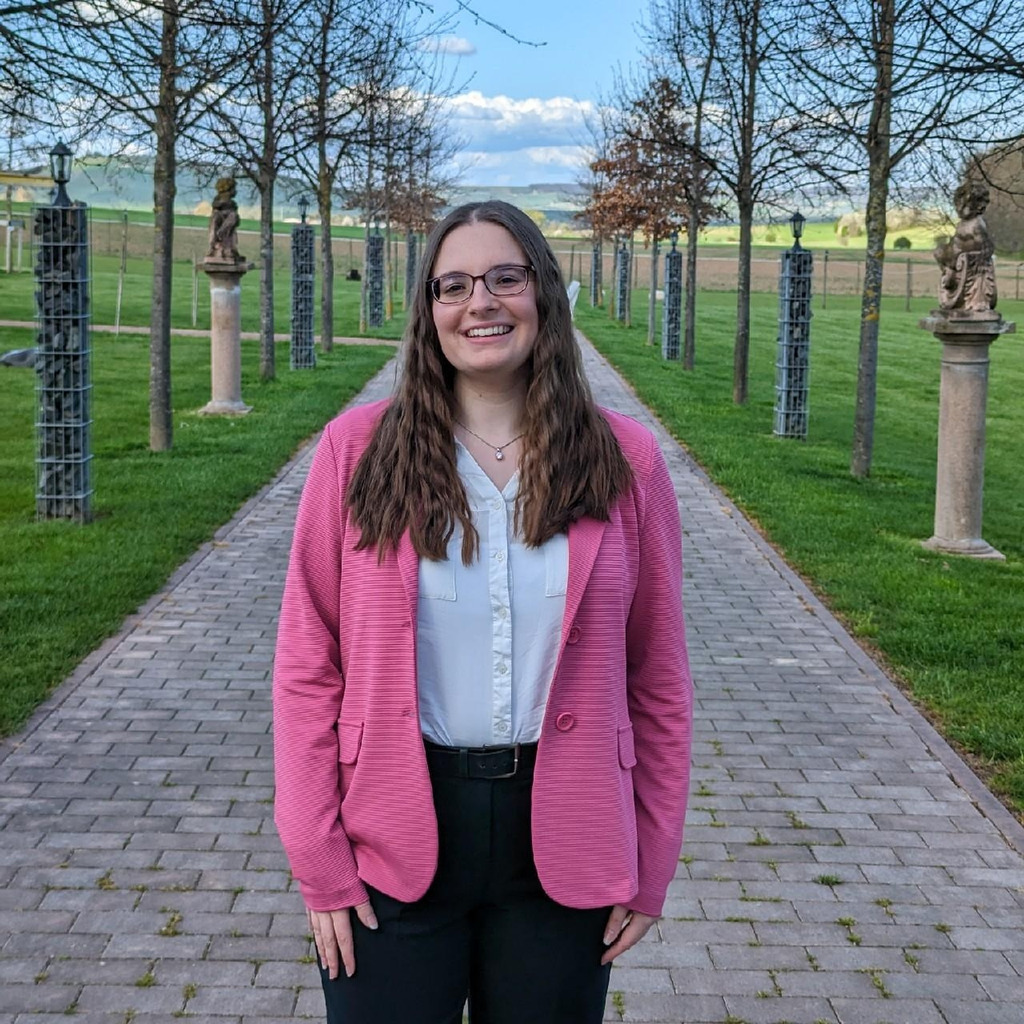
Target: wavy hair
(571, 463)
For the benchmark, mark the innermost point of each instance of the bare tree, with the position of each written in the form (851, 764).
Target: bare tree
(721, 53)
(894, 88)
(252, 125)
(139, 74)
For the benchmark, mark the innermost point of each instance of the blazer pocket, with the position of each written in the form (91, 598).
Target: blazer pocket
(627, 752)
(350, 739)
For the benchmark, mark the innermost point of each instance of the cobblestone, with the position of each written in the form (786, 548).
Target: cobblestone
(845, 867)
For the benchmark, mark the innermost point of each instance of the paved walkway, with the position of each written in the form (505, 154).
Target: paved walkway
(841, 864)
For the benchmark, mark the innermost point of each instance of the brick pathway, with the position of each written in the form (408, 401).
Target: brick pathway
(841, 864)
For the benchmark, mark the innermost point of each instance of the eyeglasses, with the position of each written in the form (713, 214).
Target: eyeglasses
(509, 279)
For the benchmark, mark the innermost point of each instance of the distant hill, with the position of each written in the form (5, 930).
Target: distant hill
(127, 183)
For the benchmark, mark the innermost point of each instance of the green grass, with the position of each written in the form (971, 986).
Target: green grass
(63, 588)
(950, 628)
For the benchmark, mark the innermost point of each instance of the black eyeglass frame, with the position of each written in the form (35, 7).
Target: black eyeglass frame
(434, 289)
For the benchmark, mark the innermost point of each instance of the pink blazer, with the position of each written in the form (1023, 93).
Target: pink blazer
(353, 800)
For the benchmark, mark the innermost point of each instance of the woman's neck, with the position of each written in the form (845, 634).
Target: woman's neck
(494, 414)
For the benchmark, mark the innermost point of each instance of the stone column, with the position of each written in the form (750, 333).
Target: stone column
(596, 267)
(963, 395)
(225, 338)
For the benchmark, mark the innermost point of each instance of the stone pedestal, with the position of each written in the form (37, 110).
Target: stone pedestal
(963, 395)
(225, 338)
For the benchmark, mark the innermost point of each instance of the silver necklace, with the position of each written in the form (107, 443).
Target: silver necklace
(499, 453)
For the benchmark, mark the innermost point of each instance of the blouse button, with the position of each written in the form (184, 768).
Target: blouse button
(574, 635)
(564, 722)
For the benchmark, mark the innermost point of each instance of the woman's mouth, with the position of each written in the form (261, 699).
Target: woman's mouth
(488, 332)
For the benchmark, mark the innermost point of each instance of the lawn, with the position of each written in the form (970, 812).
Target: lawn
(950, 629)
(63, 588)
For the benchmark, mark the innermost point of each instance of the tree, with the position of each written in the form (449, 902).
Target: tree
(252, 123)
(144, 75)
(895, 88)
(721, 53)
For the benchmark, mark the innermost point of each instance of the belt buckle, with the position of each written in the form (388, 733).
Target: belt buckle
(515, 765)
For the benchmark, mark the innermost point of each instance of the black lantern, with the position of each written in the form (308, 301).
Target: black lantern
(796, 224)
(674, 237)
(60, 170)
(303, 205)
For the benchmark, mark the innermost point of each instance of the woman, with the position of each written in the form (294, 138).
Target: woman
(481, 694)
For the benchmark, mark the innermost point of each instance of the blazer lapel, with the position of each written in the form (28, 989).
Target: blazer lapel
(584, 541)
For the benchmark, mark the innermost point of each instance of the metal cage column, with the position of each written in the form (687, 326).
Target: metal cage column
(792, 366)
(63, 374)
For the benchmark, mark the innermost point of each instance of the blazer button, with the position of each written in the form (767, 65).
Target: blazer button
(574, 635)
(564, 722)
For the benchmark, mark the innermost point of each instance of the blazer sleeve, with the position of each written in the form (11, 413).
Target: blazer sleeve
(308, 690)
(659, 687)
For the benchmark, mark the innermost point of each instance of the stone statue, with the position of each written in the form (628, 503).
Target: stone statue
(968, 283)
(224, 225)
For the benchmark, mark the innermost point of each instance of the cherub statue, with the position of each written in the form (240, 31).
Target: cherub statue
(968, 280)
(224, 224)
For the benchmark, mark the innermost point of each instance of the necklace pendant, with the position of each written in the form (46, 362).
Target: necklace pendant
(499, 454)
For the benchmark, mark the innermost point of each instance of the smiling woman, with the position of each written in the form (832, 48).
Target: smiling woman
(481, 692)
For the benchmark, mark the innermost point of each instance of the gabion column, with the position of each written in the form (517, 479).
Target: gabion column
(303, 352)
(375, 280)
(671, 312)
(411, 265)
(622, 269)
(596, 267)
(63, 448)
(792, 365)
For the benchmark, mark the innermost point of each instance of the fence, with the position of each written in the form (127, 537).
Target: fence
(836, 271)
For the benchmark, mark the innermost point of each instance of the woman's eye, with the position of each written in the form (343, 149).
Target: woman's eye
(453, 287)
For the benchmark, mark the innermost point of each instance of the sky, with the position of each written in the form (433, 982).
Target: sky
(521, 109)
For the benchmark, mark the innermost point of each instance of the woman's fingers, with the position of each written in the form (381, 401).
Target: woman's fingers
(364, 911)
(625, 929)
(332, 932)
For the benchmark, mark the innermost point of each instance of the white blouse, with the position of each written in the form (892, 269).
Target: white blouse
(487, 634)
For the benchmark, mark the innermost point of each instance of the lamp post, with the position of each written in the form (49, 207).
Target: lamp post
(303, 205)
(61, 159)
(796, 225)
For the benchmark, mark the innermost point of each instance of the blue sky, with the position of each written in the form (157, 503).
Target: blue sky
(522, 109)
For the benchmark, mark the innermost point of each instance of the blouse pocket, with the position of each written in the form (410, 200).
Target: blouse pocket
(627, 752)
(437, 580)
(556, 565)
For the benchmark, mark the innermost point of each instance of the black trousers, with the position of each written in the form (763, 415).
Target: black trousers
(484, 931)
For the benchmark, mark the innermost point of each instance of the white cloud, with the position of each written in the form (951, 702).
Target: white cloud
(453, 46)
(518, 142)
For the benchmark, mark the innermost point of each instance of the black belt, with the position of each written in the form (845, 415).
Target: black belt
(481, 762)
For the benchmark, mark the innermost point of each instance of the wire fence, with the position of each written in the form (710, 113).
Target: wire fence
(837, 271)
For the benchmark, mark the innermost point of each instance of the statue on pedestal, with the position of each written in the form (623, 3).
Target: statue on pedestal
(968, 283)
(224, 225)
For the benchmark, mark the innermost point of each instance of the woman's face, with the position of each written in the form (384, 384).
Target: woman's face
(486, 337)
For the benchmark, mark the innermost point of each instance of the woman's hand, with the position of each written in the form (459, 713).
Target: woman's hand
(625, 928)
(332, 931)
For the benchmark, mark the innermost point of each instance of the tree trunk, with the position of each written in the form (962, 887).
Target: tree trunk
(878, 151)
(267, 176)
(690, 299)
(741, 348)
(161, 423)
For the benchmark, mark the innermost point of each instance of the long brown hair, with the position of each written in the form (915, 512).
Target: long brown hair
(571, 465)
